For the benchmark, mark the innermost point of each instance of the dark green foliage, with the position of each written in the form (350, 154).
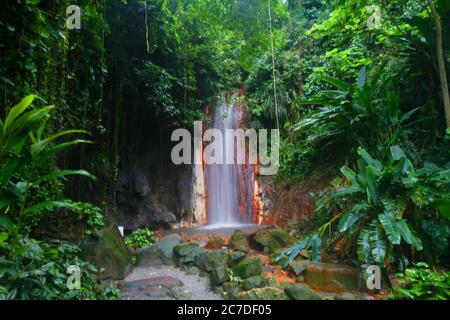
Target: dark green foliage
(141, 238)
(30, 269)
(422, 283)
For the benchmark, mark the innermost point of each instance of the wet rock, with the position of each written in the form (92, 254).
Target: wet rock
(201, 259)
(219, 275)
(180, 293)
(215, 259)
(248, 268)
(332, 277)
(267, 293)
(254, 282)
(192, 270)
(215, 243)
(151, 257)
(235, 257)
(299, 291)
(107, 250)
(239, 242)
(167, 244)
(298, 266)
(273, 239)
(231, 290)
(186, 253)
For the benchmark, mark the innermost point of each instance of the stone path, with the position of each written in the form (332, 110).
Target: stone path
(166, 283)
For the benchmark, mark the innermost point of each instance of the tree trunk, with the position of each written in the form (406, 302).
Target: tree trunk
(441, 62)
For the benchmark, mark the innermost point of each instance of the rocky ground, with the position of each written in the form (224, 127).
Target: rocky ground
(238, 267)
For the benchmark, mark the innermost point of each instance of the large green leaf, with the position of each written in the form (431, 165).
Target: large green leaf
(375, 164)
(350, 218)
(377, 242)
(50, 205)
(63, 173)
(18, 110)
(7, 223)
(443, 205)
(337, 83)
(364, 250)
(409, 236)
(390, 227)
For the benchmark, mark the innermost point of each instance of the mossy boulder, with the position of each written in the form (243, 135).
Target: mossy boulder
(186, 253)
(215, 259)
(219, 275)
(247, 268)
(215, 243)
(272, 239)
(235, 257)
(298, 266)
(107, 250)
(332, 277)
(239, 242)
(254, 282)
(267, 293)
(299, 291)
(231, 290)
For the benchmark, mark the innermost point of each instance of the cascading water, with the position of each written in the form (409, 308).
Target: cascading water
(223, 180)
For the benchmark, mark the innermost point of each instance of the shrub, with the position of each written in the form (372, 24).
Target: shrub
(422, 283)
(141, 238)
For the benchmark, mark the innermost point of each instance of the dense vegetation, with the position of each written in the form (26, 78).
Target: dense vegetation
(366, 99)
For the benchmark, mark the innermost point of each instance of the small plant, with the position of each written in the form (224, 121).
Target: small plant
(422, 283)
(233, 278)
(141, 238)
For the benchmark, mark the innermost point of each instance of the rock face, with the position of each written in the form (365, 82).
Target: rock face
(140, 204)
(267, 293)
(332, 277)
(108, 251)
(254, 282)
(215, 243)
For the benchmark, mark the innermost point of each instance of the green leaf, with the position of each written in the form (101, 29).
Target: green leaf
(390, 227)
(50, 205)
(18, 110)
(377, 242)
(397, 153)
(7, 223)
(443, 205)
(63, 173)
(337, 83)
(375, 164)
(362, 77)
(350, 218)
(364, 246)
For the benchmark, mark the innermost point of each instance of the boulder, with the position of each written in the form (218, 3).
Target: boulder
(215, 259)
(106, 249)
(267, 293)
(299, 291)
(231, 290)
(215, 243)
(151, 257)
(331, 277)
(201, 259)
(272, 239)
(248, 268)
(167, 244)
(235, 257)
(219, 275)
(239, 242)
(298, 266)
(186, 253)
(254, 282)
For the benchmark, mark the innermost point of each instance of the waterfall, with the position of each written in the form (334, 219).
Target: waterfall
(223, 181)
